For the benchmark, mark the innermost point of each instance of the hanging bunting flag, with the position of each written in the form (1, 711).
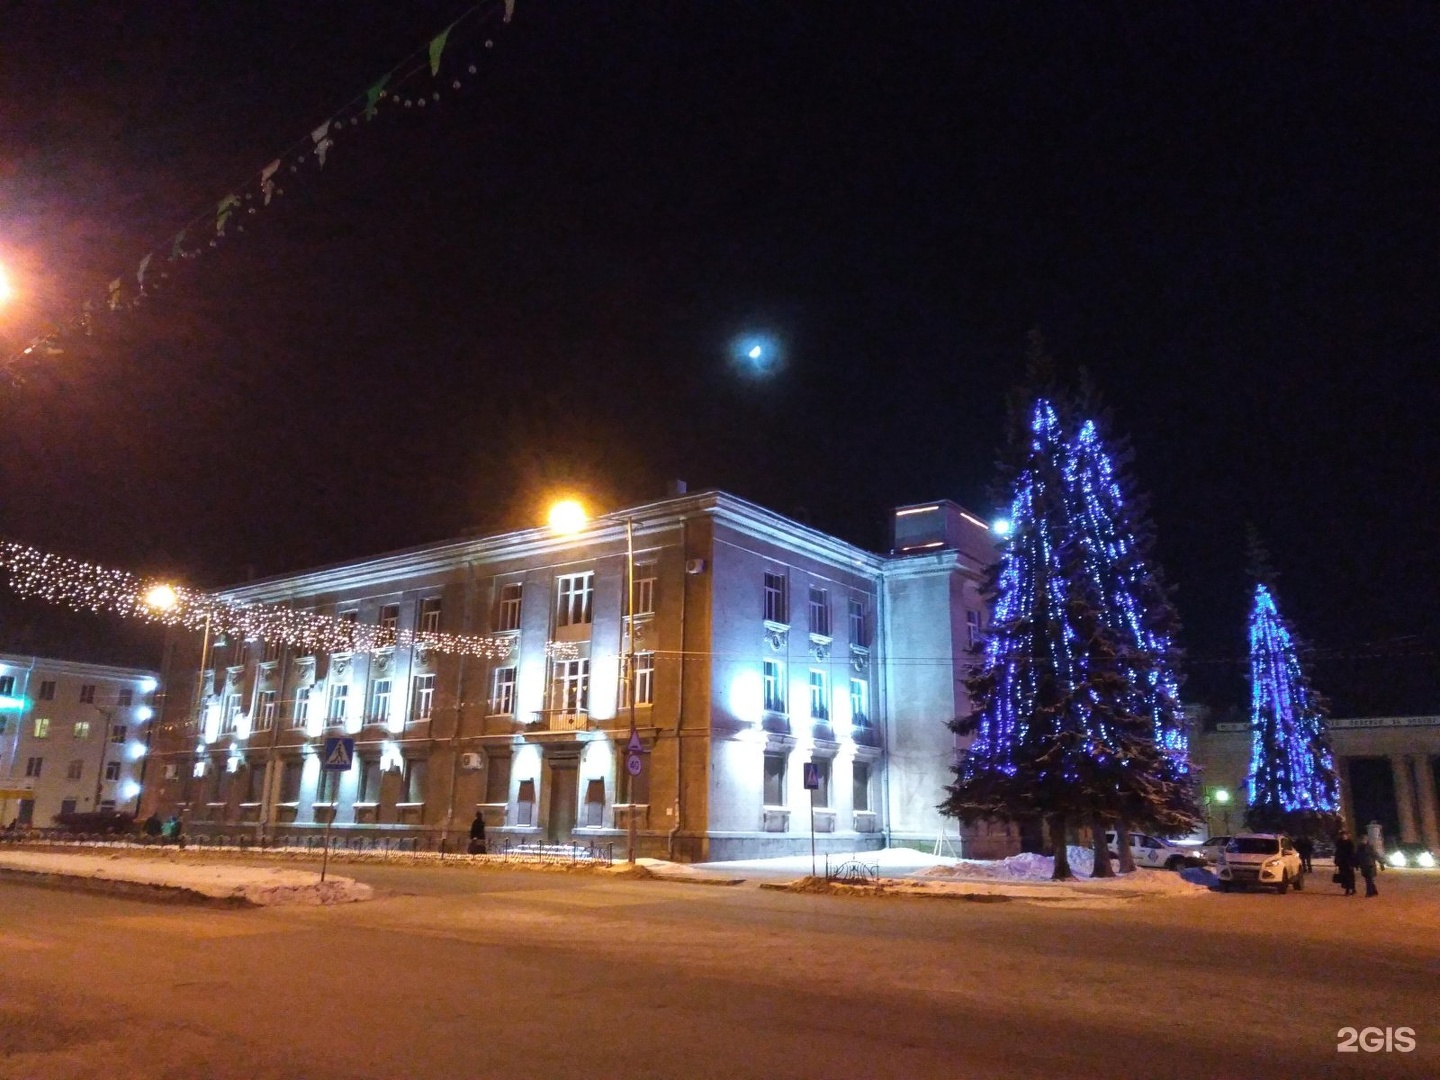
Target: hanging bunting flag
(267, 185)
(176, 251)
(509, 10)
(114, 290)
(323, 142)
(223, 211)
(437, 46)
(140, 272)
(374, 94)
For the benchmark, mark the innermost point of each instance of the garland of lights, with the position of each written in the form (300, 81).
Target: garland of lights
(86, 586)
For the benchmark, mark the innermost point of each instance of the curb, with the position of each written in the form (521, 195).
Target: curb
(131, 890)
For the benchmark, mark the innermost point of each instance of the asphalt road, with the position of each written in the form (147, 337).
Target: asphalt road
(514, 974)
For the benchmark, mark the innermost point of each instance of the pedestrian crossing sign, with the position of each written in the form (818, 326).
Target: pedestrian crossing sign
(338, 755)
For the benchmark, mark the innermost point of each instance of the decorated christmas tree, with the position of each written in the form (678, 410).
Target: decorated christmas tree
(1293, 784)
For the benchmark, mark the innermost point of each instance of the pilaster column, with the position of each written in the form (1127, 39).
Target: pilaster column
(1405, 798)
(1347, 806)
(1429, 811)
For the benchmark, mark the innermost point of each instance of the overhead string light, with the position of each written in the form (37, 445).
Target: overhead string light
(85, 586)
(444, 65)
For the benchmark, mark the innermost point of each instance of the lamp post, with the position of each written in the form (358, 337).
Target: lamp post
(163, 598)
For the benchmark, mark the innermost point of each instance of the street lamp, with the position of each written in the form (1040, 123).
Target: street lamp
(6, 292)
(163, 598)
(567, 518)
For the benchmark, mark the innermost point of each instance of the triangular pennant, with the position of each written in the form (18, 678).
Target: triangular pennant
(374, 94)
(323, 142)
(437, 46)
(223, 210)
(267, 185)
(140, 271)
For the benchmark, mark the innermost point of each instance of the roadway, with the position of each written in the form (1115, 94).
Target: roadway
(511, 974)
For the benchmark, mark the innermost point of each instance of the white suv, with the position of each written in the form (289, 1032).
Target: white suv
(1148, 851)
(1264, 859)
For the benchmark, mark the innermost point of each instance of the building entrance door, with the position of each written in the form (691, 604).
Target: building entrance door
(563, 779)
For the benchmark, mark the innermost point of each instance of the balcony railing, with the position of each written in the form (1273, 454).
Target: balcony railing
(562, 720)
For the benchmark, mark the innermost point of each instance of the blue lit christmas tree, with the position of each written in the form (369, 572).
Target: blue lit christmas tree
(1293, 784)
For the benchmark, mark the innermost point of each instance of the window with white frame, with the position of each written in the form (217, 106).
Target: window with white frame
(42, 727)
(266, 713)
(644, 589)
(859, 632)
(507, 615)
(774, 679)
(819, 694)
(777, 607)
(125, 698)
(573, 593)
(819, 611)
(422, 700)
(112, 770)
(642, 678)
(380, 700)
(972, 627)
(388, 622)
(82, 729)
(571, 686)
(430, 615)
(502, 691)
(859, 702)
(272, 651)
(33, 766)
(87, 694)
(301, 714)
(339, 698)
(230, 714)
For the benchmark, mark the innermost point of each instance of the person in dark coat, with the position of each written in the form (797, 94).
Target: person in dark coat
(1345, 862)
(477, 834)
(1368, 862)
(1305, 848)
(153, 826)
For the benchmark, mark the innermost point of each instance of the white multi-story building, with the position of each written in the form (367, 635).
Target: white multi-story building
(73, 737)
(760, 645)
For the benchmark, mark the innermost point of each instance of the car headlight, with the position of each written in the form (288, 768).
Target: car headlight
(1396, 858)
(1426, 860)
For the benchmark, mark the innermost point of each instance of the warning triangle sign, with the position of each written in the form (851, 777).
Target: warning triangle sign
(339, 756)
(636, 746)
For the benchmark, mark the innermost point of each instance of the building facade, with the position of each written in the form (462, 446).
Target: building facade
(73, 737)
(761, 645)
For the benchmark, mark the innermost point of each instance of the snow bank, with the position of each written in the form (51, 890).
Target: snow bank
(1024, 867)
(261, 886)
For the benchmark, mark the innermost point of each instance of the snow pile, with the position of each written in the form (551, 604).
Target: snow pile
(260, 886)
(1026, 866)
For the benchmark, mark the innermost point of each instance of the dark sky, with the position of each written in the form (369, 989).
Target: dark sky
(1228, 213)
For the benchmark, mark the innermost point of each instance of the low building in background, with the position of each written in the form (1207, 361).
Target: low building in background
(73, 737)
(761, 645)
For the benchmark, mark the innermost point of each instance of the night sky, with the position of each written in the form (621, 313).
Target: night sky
(1228, 213)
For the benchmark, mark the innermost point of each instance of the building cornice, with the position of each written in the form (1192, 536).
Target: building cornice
(52, 666)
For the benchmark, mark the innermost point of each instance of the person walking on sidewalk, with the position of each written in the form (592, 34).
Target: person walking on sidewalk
(1368, 862)
(477, 834)
(1345, 862)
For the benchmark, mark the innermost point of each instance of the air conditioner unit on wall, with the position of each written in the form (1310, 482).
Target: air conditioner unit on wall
(694, 566)
(471, 761)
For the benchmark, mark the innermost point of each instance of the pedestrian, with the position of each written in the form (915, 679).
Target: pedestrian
(170, 831)
(1367, 861)
(153, 827)
(1345, 862)
(477, 834)
(1305, 848)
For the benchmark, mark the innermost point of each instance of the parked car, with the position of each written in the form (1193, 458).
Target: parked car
(1266, 860)
(1149, 851)
(1213, 847)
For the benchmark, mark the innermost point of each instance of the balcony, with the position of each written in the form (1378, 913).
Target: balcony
(561, 720)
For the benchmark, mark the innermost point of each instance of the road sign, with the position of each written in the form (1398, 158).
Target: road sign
(636, 746)
(632, 764)
(812, 776)
(339, 754)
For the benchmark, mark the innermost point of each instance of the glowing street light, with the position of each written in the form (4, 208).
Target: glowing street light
(1000, 527)
(567, 517)
(161, 598)
(1222, 796)
(6, 292)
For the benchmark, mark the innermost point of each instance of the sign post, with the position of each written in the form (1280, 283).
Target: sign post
(812, 783)
(339, 755)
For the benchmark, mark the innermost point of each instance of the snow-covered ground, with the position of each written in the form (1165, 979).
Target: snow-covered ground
(263, 886)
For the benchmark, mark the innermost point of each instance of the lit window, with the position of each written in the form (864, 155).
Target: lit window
(82, 729)
(777, 609)
(380, 700)
(430, 615)
(117, 733)
(859, 702)
(573, 595)
(42, 727)
(571, 686)
(508, 615)
(502, 695)
(74, 769)
(774, 686)
(819, 611)
(819, 694)
(230, 714)
(644, 680)
(644, 589)
(972, 627)
(302, 707)
(267, 709)
(339, 696)
(858, 631)
(423, 700)
(126, 698)
(87, 694)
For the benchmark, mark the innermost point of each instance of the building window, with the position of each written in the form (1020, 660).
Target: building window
(571, 686)
(47, 691)
(126, 698)
(859, 703)
(255, 783)
(82, 729)
(112, 770)
(67, 807)
(774, 686)
(389, 622)
(351, 617)
(430, 615)
(302, 707)
(643, 679)
(118, 732)
(380, 700)
(644, 590)
(369, 790)
(290, 776)
(859, 632)
(412, 781)
(107, 806)
(972, 627)
(87, 694)
(861, 776)
(7, 685)
(572, 599)
(525, 803)
(819, 611)
(74, 770)
(594, 804)
(819, 694)
(339, 695)
(267, 710)
(777, 607)
(497, 779)
(502, 692)
(272, 651)
(42, 727)
(508, 615)
(774, 779)
(423, 702)
(230, 714)
(32, 766)
(822, 776)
